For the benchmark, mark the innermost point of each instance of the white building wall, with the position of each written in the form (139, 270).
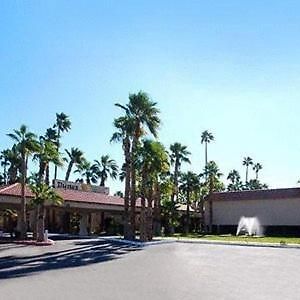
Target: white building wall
(271, 212)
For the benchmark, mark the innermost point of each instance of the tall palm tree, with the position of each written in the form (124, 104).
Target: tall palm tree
(42, 193)
(248, 161)
(63, 124)
(257, 167)
(26, 145)
(212, 175)
(235, 181)
(179, 154)
(75, 157)
(87, 171)
(145, 116)
(189, 183)
(124, 133)
(106, 167)
(206, 137)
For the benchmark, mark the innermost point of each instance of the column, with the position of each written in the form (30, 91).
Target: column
(83, 224)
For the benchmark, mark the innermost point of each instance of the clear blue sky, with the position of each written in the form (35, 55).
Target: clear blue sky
(232, 67)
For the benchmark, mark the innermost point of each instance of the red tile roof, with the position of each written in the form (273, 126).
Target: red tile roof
(258, 194)
(89, 197)
(68, 195)
(15, 190)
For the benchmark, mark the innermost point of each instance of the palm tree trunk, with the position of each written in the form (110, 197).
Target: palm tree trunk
(246, 174)
(143, 218)
(205, 154)
(55, 168)
(23, 200)
(156, 213)
(34, 225)
(149, 217)
(5, 172)
(69, 170)
(127, 227)
(88, 180)
(47, 176)
(256, 175)
(40, 223)
(102, 182)
(175, 191)
(133, 188)
(143, 234)
(187, 225)
(210, 203)
(55, 172)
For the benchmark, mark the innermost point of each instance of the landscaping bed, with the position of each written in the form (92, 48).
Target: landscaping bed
(34, 243)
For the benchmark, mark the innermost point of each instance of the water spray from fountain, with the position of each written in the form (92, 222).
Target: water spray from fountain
(249, 226)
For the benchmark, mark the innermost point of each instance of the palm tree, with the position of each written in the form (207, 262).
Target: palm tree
(4, 157)
(75, 157)
(152, 162)
(212, 175)
(26, 145)
(106, 167)
(247, 162)
(47, 153)
(42, 194)
(144, 115)
(235, 178)
(189, 183)
(63, 124)
(206, 137)
(51, 136)
(87, 171)
(257, 167)
(124, 133)
(178, 155)
(13, 157)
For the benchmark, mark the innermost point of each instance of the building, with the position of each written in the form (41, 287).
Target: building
(86, 209)
(278, 210)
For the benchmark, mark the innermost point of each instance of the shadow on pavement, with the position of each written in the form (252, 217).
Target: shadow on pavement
(81, 254)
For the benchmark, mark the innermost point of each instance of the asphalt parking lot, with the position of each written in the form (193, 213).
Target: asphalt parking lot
(98, 269)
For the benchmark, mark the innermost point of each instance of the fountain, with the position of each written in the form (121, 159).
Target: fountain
(249, 226)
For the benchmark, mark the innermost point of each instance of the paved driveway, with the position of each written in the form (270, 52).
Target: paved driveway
(96, 269)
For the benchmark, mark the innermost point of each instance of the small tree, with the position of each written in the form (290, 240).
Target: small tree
(213, 183)
(189, 184)
(43, 194)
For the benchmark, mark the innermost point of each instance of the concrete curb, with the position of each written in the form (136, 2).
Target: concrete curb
(202, 242)
(245, 244)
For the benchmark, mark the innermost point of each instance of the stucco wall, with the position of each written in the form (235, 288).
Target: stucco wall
(275, 212)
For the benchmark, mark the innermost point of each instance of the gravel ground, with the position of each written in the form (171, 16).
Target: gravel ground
(98, 269)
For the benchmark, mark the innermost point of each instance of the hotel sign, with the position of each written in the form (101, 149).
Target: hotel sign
(76, 186)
